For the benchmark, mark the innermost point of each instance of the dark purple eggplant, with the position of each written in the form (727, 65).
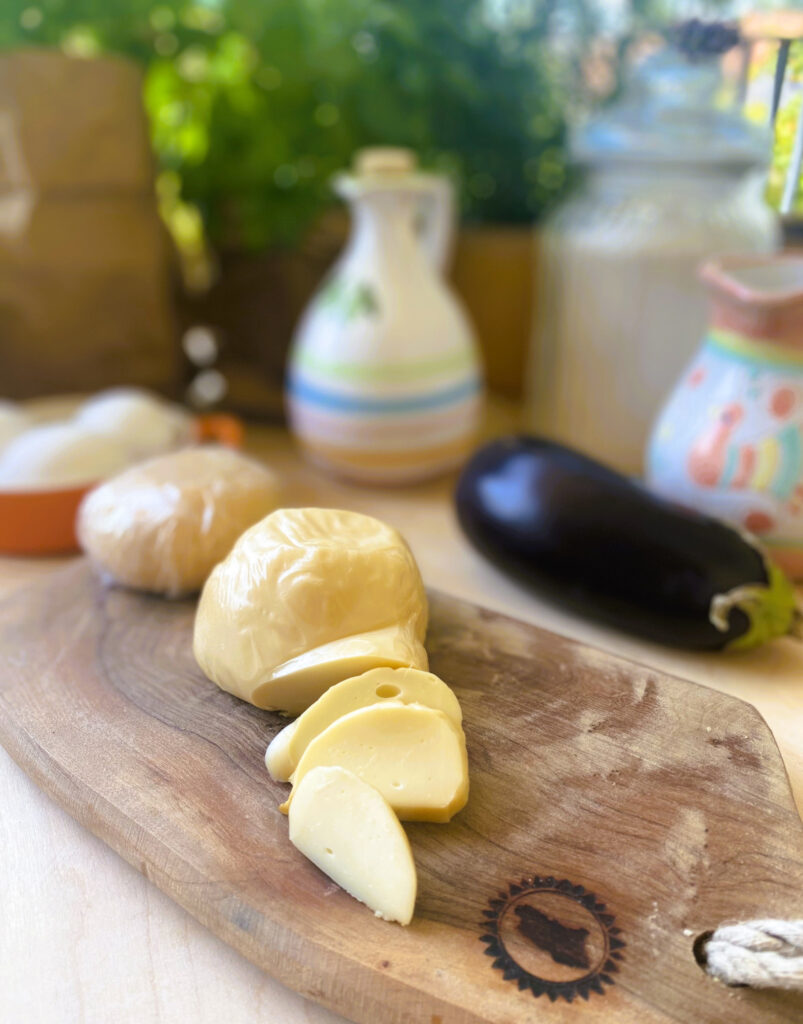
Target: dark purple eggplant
(603, 546)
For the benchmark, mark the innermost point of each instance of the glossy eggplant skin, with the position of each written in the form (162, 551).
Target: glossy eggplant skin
(603, 546)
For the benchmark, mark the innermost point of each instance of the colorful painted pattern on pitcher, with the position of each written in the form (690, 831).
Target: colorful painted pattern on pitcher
(730, 440)
(400, 422)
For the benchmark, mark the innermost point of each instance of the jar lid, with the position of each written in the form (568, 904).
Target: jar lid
(668, 115)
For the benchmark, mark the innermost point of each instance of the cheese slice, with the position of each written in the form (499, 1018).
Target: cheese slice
(298, 683)
(277, 756)
(348, 829)
(407, 685)
(415, 756)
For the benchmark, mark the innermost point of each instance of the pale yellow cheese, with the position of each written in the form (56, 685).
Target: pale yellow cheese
(306, 598)
(415, 756)
(348, 829)
(407, 685)
(164, 524)
(299, 682)
(277, 756)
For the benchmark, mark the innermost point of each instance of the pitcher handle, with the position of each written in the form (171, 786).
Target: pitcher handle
(437, 231)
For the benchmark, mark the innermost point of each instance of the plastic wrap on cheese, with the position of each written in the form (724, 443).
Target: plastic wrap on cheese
(306, 598)
(164, 524)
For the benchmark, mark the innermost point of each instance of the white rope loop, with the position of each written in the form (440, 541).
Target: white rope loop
(761, 954)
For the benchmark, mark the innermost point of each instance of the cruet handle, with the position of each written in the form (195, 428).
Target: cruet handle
(437, 223)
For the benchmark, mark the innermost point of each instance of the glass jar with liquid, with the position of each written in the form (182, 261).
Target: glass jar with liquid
(669, 179)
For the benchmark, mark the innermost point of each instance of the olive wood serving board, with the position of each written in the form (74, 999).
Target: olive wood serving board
(615, 814)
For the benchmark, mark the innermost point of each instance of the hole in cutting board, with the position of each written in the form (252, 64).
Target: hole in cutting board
(699, 948)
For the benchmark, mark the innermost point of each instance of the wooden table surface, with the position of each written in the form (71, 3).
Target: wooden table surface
(85, 938)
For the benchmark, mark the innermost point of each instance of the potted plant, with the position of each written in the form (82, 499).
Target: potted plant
(254, 106)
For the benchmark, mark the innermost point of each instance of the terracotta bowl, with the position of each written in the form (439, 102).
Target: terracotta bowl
(42, 522)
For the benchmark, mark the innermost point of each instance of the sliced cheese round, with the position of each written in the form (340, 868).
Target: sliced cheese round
(414, 756)
(305, 599)
(277, 756)
(406, 685)
(350, 832)
(164, 524)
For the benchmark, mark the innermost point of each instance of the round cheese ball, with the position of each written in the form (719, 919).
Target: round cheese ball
(13, 421)
(141, 421)
(306, 598)
(164, 524)
(59, 455)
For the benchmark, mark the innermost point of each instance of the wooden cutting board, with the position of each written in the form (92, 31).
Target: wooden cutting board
(615, 814)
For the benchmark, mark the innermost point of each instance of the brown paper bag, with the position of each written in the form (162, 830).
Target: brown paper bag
(84, 258)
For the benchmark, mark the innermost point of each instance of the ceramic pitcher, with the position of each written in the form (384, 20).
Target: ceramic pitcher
(730, 439)
(384, 378)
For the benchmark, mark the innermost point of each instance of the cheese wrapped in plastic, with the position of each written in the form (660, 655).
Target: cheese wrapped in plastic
(306, 598)
(164, 524)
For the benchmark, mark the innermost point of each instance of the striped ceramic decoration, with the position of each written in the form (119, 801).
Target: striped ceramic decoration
(384, 382)
(385, 433)
(730, 439)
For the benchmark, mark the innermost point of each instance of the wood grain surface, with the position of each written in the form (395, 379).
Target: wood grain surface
(664, 806)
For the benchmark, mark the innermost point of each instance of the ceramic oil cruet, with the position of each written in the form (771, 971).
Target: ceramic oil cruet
(730, 439)
(384, 378)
